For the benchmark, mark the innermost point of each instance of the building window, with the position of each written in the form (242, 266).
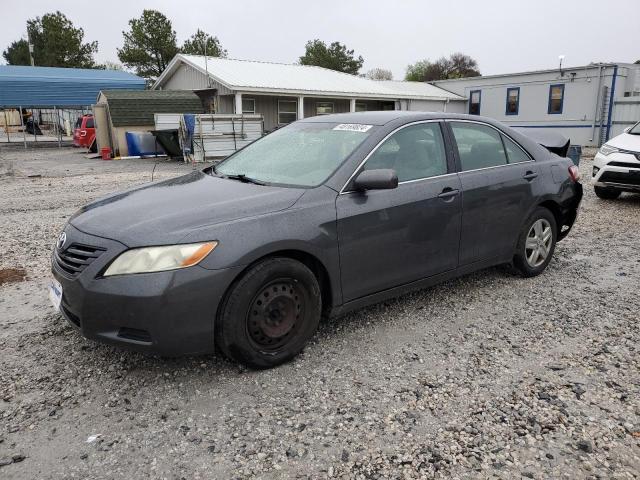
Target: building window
(556, 99)
(474, 102)
(287, 111)
(361, 107)
(248, 105)
(324, 108)
(513, 101)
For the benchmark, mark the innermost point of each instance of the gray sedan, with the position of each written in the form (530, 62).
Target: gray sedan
(323, 216)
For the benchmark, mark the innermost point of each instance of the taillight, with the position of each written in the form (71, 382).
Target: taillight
(83, 133)
(574, 173)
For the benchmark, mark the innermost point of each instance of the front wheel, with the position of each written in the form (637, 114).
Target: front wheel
(607, 193)
(270, 314)
(536, 244)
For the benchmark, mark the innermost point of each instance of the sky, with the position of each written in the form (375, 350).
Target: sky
(503, 36)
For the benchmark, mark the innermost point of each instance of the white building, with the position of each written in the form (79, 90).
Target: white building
(283, 93)
(588, 104)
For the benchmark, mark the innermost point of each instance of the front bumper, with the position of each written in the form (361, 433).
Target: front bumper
(167, 313)
(618, 170)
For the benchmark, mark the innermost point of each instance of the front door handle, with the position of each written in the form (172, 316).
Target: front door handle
(448, 193)
(530, 175)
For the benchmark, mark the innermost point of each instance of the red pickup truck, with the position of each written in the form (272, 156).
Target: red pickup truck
(84, 132)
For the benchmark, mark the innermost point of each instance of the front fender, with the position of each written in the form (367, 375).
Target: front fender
(308, 227)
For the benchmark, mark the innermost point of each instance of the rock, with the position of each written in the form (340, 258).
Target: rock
(5, 461)
(345, 456)
(585, 446)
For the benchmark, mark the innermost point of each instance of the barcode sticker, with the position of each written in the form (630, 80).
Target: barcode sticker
(353, 127)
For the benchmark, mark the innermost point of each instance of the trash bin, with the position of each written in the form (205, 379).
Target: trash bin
(574, 153)
(169, 141)
(105, 153)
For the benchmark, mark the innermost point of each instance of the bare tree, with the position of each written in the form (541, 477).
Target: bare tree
(458, 65)
(379, 74)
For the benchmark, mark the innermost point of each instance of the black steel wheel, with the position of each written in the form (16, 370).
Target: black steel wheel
(274, 314)
(269, 314)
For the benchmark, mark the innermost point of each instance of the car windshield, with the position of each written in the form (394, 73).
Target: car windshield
(301, 154)
(635, 130)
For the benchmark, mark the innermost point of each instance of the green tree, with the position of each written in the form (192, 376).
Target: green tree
(195, 45)
(17, 53)
(458, 65)
(335, 57)
(149, 45)
(379, 74)
(56, 43)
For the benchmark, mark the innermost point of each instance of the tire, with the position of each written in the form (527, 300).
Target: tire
(532, 239)
(607, 193)
(269, 314)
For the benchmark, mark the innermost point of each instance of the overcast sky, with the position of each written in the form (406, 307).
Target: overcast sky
(503, 36)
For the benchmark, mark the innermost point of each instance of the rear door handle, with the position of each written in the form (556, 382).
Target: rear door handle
(448, 193)
(530, 175)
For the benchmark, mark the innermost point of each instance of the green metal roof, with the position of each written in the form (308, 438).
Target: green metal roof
(136, 107)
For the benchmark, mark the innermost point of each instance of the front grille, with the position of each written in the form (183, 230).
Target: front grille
(619, 177)
(624, 164)
(76, 257)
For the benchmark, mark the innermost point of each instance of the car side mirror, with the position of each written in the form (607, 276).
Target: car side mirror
(379, 179)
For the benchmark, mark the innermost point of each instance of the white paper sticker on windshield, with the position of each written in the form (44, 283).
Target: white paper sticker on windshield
(353, 127)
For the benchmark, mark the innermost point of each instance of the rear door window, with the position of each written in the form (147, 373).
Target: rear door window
(515, 154)
(479, 146)
(89, 123)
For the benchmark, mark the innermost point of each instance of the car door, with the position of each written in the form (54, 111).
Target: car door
(498, 178)
(392, 237)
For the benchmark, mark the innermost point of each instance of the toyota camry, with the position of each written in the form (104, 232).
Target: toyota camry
(323, 216)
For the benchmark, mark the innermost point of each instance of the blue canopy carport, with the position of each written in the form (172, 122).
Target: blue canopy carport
(47, 90)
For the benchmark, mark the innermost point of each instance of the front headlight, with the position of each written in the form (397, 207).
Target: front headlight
(159, 259)
(608, 149)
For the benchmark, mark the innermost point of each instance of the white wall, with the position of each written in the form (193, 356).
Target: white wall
(582, 105)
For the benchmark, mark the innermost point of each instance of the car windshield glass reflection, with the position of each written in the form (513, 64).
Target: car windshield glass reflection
(301, 154)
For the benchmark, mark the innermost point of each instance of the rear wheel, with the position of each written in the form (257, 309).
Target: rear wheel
(536, 244)
(607, 193)
(270, 314)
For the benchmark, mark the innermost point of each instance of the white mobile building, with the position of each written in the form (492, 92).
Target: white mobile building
(283, 93)
(588, 104)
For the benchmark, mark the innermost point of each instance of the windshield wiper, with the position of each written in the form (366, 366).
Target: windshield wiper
(243, 178)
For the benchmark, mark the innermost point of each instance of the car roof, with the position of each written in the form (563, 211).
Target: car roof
(384, 117)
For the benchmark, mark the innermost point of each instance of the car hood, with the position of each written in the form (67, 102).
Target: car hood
(165, 212)
(626, 141)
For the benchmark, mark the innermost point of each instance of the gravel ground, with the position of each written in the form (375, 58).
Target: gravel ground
(487, 376)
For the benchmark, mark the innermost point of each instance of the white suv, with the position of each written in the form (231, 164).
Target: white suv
(616, 167)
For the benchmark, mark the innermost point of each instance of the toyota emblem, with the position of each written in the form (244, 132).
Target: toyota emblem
(61, 240)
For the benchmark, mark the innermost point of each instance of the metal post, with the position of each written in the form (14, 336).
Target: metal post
(6, 125)
(55, 127)
(24, 133)
(33, 124)
(58, 131)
